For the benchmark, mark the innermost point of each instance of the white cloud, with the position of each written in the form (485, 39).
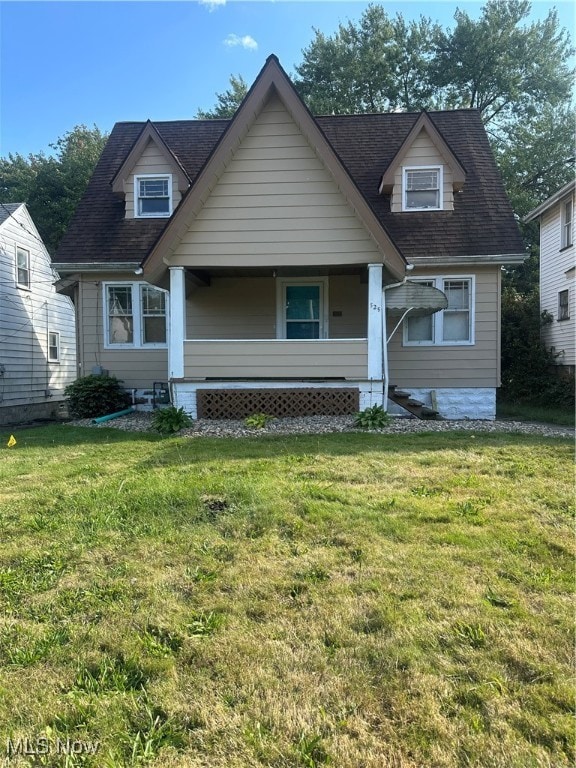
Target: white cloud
(212, 5)
(247, 42)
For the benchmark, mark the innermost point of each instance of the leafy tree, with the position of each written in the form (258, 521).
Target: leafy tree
(536, 156)
(228, 102)
(52, 186)
(499, 66)
(378, 65)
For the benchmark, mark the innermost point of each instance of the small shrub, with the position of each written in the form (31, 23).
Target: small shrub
(92, 396)
(374, 417)
(169, 420)
(258, 420)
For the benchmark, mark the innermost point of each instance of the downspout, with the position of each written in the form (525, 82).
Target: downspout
(386, 375)
(386, 341)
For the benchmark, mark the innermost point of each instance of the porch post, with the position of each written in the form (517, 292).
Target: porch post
(177, 323)
(375, 324)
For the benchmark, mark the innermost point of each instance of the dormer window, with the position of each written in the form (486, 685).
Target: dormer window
(152, 196)
(422, 188)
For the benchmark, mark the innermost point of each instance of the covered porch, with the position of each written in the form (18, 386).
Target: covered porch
(327, 326)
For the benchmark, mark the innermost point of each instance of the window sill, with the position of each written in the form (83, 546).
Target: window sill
(438, 343)
(566, 247)
(562, 319)
(421, 210)
(124, 347)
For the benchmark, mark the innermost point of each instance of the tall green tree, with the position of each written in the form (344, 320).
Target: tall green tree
(501, 65)
(52, 185)
(379, 64)
(227, 102)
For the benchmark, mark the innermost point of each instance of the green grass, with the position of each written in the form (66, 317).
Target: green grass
(546, 415)
(352, 600)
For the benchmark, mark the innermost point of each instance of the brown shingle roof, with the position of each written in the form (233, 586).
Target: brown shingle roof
(482, 222)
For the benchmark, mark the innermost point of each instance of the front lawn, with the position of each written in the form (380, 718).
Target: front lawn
(353, 600)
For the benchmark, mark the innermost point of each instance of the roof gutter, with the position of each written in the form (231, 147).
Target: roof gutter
(543, 207)
(509, 259)
(65, 267)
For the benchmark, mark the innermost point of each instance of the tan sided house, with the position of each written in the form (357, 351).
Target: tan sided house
(283, 263)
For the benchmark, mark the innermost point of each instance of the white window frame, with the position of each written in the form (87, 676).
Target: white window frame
(406, 169)
(137, 316)
(149, 176)
(567, 236)
(56, 335)
(281, 284)
(26, 269)
(438, 281)
(566, 316)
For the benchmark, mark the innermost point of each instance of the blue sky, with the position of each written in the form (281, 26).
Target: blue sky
(68, 63)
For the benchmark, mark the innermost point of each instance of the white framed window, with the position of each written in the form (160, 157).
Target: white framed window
(22, 267)
(53, 347)
(152, 195)
(563, 305)
(302, 308)
(422, 188)
(451, 326)
(135, 316)
(567, 223)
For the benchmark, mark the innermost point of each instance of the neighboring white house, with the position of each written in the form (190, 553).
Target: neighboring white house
(558, 274)
(37, 325)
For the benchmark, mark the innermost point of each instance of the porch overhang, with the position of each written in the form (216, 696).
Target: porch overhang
(414, 297)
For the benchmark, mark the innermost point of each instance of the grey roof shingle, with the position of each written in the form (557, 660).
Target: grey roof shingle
(482, 222)
(7, 210)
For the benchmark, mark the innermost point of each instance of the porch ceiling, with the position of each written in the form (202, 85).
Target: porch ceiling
(204, 275)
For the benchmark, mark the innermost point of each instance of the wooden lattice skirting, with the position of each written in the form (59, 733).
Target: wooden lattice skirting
(239, 403)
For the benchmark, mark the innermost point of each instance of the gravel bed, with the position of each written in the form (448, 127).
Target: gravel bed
(141, 422)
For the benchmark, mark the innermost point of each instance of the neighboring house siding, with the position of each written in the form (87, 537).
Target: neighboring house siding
(275, 203)
(245, 308)
(27, 316)
(423, 153)
(474, 365)
(136, 368)
(557, 274)
(152, 161)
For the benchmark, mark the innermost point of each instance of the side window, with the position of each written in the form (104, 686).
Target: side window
(567, 223)
(152, 196)
(420, 330)
(136, 315)
(153, 309)
(422, 189)
(22, 267)
(563, 305)
(120, 315)
(453, 325)
(53, 347)
(456, 326)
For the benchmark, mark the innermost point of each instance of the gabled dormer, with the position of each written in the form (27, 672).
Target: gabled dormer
(151, 179)
(425, 173)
